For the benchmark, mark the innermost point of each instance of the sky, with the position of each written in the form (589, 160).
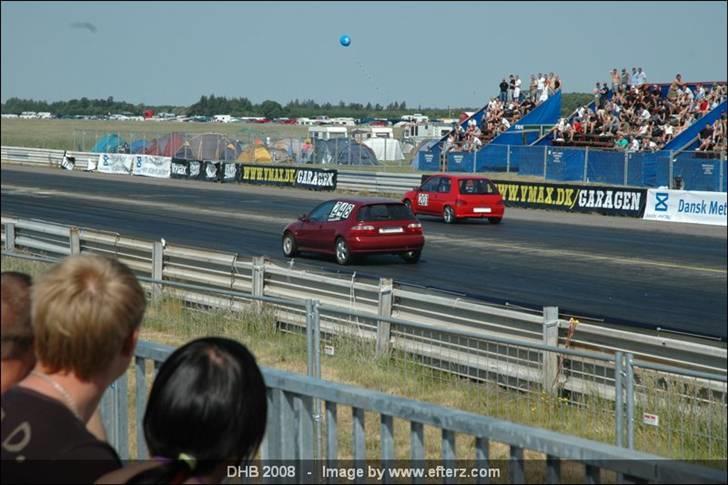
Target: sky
(429, 54)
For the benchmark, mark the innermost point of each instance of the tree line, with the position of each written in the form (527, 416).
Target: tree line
(213, 105)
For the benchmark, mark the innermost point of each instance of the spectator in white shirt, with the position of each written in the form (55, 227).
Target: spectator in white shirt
(544, 96)
(645, 114)
(517, 89)
(634, 145)
(699, 92)
(540, 86)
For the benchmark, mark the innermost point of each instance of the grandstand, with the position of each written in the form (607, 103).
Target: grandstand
(644, 135)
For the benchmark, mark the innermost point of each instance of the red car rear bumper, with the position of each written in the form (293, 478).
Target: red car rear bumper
(468, 212)
(388, 244)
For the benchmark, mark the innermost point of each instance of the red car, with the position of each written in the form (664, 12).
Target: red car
(347, 227)
(454, 197)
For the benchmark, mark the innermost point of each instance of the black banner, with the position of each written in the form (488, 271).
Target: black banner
(194, 169)
(211, 171)
(316, 179)
(180, 169)
(229, 172)
(610, 200)
(308, 178)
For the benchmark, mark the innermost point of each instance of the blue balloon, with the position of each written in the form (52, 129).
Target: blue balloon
(345, 40)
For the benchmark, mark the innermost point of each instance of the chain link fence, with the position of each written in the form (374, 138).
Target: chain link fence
(358, 151)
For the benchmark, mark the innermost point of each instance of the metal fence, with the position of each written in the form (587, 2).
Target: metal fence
(689, 170)
(248, 146)
(517, 365)
(403, 428)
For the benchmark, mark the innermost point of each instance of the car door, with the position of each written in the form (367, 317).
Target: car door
(333, 224)
(441, 197)
(423, 203)
(308, 234)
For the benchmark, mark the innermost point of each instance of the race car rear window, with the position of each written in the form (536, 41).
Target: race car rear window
(477, 187)
(385, 212)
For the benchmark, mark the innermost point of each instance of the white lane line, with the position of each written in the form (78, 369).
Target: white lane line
(484, 246)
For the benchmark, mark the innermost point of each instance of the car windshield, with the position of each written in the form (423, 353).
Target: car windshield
(477, 187)
(385, 212)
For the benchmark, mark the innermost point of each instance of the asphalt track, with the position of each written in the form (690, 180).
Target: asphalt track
(624, 271)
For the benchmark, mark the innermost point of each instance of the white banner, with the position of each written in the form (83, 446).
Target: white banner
(115, 163)
(687, 206)
(150, 166)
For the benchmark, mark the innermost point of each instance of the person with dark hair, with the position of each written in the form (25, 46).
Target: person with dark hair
(207, 409)
(18, 357)
(503, 86)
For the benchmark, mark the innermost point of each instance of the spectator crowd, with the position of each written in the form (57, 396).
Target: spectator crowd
(634, 116)
(513, 103)
(67, 337)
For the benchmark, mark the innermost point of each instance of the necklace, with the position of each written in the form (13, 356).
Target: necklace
(69, 401)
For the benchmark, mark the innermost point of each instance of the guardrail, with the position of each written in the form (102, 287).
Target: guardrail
(377, 182)
(295, 405)
(375, 298)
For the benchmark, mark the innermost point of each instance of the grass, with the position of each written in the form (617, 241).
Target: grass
(697, 434)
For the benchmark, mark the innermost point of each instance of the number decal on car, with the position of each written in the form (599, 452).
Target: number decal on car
(340, 211)
(422, 199)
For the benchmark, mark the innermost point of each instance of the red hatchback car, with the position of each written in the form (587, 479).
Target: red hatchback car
(454, 197)
(356, 226)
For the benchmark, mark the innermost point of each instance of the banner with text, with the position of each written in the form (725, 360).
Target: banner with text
(179, 168)
(151, 166)
(115, 163)
(687, 206)
(308, 178)
(573, 198)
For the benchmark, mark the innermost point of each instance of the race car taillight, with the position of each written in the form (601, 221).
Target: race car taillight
(363, 230)
(414, 227)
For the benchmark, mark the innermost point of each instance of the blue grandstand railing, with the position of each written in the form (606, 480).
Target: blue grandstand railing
(546, 113)
(698, 170)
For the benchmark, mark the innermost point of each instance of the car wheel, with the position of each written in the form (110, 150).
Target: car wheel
(411, 257)
(494, 220)
(343, 255)
(290, 248)
(448, 215)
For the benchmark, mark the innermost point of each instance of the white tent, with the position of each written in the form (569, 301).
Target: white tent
(385, 149)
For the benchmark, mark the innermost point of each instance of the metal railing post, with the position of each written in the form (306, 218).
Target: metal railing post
(721, 170)
(157, 269)
(630, 401)
(9, 236)
(475, 160)
(258, 276)
(618, 399)
(586, 164)
(508, 158)
(313, 364)
(74, 237)
(550, 337)
(669, 171)
(384, 310)
(545, 158)
(626, 165)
